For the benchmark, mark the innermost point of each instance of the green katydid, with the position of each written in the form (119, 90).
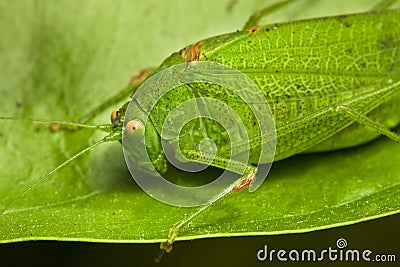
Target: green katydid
(367, 82)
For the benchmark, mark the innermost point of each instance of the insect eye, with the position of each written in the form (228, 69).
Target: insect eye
(133, 126)
(115, 115)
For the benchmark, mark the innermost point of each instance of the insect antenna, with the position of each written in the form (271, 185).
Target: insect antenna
(103, 127)
(106, 127)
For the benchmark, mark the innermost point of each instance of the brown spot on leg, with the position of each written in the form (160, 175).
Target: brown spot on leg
(245, 183)
(139, 76)
(253, 29)
(54, 127)
(182, 53)
(192, 53)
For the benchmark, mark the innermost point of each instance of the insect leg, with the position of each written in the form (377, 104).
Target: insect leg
(364, 120)
(382, 5)
(129, 89)
(255, 18)
(219, 162)
(237, 185)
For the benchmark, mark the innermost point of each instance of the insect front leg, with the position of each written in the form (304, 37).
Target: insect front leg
(134, 83)
(243, 182)
(236, 186)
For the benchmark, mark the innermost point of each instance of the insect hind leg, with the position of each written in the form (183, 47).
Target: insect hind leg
(259, 14)
(368, 122)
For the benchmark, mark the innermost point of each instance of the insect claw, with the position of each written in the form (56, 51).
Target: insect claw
(167, 245)
(172, 235)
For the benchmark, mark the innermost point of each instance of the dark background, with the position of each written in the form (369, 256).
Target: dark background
(380, 236)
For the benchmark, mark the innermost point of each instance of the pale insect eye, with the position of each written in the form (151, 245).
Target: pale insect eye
(115, 115)
(133, 125)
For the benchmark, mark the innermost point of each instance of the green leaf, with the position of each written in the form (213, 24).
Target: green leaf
(58, 66)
